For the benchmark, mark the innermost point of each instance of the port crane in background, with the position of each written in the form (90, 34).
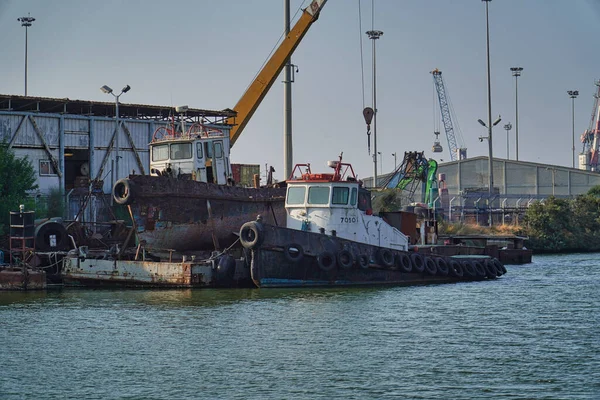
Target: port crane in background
(256, 92)
(456, 152)
(588, 159)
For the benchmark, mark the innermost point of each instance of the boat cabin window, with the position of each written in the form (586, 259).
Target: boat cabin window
(199, 150)
(208, 149)
(353, 197)
(318, 195)
(219, 149)
(160, 152)
(295, 195)
(364, 200)
(181, 151)
(340, 195)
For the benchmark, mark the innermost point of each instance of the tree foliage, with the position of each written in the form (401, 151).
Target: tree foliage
(559, 225)
(17, 176)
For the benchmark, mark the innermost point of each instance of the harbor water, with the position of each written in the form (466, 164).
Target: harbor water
(532, 334)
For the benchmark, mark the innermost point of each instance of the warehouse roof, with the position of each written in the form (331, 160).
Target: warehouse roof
(106, 109)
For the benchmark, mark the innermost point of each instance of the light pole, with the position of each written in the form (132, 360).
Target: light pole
(508, 127)
(489, 87)
(26, 22)
(374, 35)
(108, 90)
(573, 94)
(516, 73)
(395, 163)
(490, 163)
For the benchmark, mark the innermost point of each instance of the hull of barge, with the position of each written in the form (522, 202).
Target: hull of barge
(184, 215)
(88, 272)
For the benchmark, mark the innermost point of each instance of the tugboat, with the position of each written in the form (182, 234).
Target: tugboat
(189, 200)
(332, 238)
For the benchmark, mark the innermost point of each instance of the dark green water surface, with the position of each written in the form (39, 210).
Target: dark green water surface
(532, 334)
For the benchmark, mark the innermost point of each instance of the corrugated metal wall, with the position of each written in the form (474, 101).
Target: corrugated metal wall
(80, 133)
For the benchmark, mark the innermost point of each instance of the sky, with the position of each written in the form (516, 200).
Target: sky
(204, 54)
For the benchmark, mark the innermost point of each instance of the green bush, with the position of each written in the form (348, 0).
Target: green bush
(17, 177)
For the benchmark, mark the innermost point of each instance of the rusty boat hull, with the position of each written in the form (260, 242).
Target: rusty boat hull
(89, 271)
(184, 215)
(283, 257)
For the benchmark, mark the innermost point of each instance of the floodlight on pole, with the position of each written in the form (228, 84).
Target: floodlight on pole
(573, 94)
(106, 89)
(26, 22)
(374, 35)
(489, 93)
(516, 71)
(508, 127)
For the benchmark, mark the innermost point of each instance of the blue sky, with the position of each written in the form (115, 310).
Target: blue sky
(205, 53)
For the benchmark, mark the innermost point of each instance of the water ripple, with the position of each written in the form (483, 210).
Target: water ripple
(533, 334)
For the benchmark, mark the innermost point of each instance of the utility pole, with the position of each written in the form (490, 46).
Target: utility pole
(374, 35)
(26, 22)
(516, 71)
(573, 95)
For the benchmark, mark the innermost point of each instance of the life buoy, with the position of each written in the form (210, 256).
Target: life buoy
(123, 191)
(363, 261)
(469, 269)
(490, 269)
(344, 259)
(430, 266)
(293, 252)
(417, 262)
(499, 267)
(442, 266)
(326, 261)
(479, 269)
(455, 268)
(385, 258)
(403, 262)
(251, 235)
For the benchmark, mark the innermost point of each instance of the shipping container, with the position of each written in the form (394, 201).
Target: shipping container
(243, 174)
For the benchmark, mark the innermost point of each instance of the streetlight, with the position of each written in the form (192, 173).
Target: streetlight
(516, 71)
(374, 35)
(573, 94)
(508, 127)
(395, 164)
(490, 164)
(26, 22)
(489, 87)
(108, 90)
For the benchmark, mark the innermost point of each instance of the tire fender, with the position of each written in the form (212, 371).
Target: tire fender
(418, 265)
(124, 191)
(403, 262)
(345, 259)
(442, 266)
(326, 261)
(385, 258)
(430, 266)
(251, 235)
(293, 252)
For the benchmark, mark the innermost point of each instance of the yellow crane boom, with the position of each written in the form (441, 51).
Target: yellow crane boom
(257, 90)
